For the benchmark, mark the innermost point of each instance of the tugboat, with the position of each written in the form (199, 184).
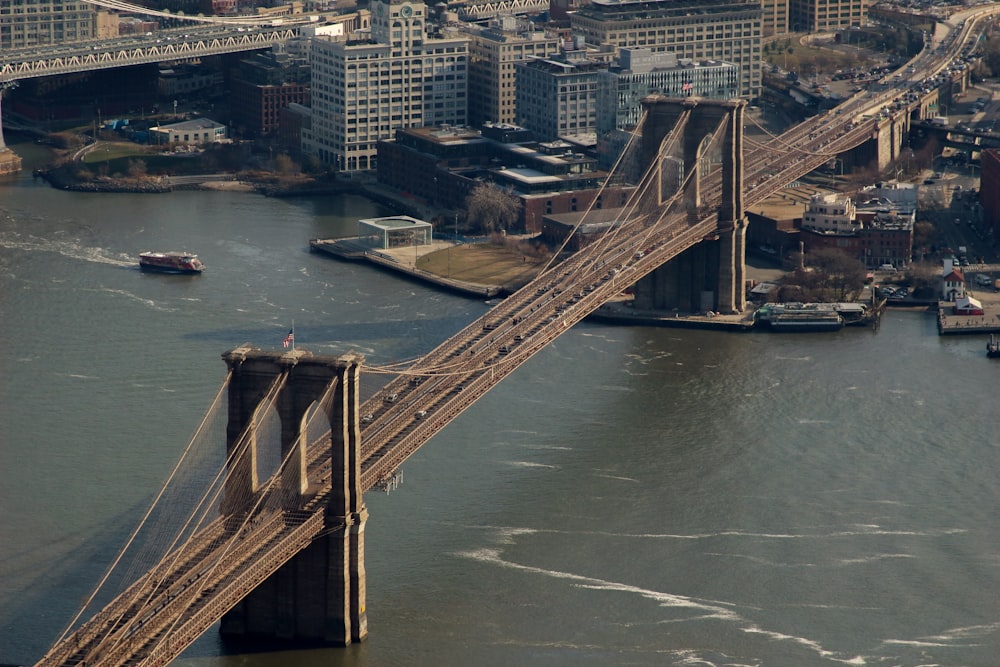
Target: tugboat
(170, 262)
(993, 347)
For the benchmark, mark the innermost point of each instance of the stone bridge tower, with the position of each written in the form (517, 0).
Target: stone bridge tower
(711, 275)
(319, 596)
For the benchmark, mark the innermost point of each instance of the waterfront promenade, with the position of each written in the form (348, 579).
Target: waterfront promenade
(950, 324)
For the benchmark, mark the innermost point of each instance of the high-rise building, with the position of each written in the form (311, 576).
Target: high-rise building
(774, 17)
(558, 97)
(366, 86)
(25, 23)
(642, 72)
(726, 30)
(493, 53)
(824, 15)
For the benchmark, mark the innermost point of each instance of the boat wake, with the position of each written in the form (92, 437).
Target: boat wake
(69, 249)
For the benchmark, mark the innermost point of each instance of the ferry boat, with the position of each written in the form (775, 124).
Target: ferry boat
(170, 262)
(993, 346)
(800, 317)
(801, 321)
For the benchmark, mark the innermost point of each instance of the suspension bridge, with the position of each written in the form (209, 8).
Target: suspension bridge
(283, 557)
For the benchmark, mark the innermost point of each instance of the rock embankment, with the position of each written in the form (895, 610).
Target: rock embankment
(58, 179)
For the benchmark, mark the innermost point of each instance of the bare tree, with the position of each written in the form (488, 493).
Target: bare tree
(837, 271)
(490, 208)
(137, 169)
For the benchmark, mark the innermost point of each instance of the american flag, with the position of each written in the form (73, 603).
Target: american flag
(289, 339)
(687, 86)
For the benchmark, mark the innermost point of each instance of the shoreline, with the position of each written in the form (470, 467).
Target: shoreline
(614, 312)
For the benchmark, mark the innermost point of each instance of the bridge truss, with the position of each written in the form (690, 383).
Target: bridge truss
(49, 61)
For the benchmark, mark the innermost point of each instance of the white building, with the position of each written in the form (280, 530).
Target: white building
(952, 282)
(196, 131)
(366, 86)
(395, 232)
(830, 214)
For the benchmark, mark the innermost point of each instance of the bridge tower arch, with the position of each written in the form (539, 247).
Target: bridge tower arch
(318, 597)
(711, 275)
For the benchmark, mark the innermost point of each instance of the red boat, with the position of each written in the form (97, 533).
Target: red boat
(170, 262)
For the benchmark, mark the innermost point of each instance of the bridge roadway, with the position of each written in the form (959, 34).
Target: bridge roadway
(163, 45)
(183, 596)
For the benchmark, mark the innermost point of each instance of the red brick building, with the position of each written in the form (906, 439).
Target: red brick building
(442, 165)
(262, 87)
(989, 189)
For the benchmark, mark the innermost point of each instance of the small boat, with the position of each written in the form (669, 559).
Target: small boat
(170, 262)
(993, 347)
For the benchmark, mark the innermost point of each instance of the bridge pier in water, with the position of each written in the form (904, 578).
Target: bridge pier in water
(319, 596)
(711, 275)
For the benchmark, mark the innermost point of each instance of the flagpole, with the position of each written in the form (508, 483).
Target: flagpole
(293, 335)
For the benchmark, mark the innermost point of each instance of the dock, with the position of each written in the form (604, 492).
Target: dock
(402, 261)
(952, 324)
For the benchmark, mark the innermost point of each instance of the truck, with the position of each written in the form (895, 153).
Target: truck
(939, 121)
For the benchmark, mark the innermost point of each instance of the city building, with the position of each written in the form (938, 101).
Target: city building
(989, 189)
(726, 30)
(262, 86)
(195, 131)
(493, 52)
(952, 282)
(25, 23)
(368, 85)
(830, 214)
(446, 164)
(641, 72)
(557, 97)
(877, 230)
(186, 81)
(774, 17)
(826, 15)
(560, 10)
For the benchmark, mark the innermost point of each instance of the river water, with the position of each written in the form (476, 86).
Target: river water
(631, 496)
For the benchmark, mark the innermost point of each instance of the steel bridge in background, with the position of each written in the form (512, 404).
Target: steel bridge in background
(316, 511)
(16, 64)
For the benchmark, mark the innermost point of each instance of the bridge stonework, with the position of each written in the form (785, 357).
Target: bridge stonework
(319, 596)
(711, 275)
